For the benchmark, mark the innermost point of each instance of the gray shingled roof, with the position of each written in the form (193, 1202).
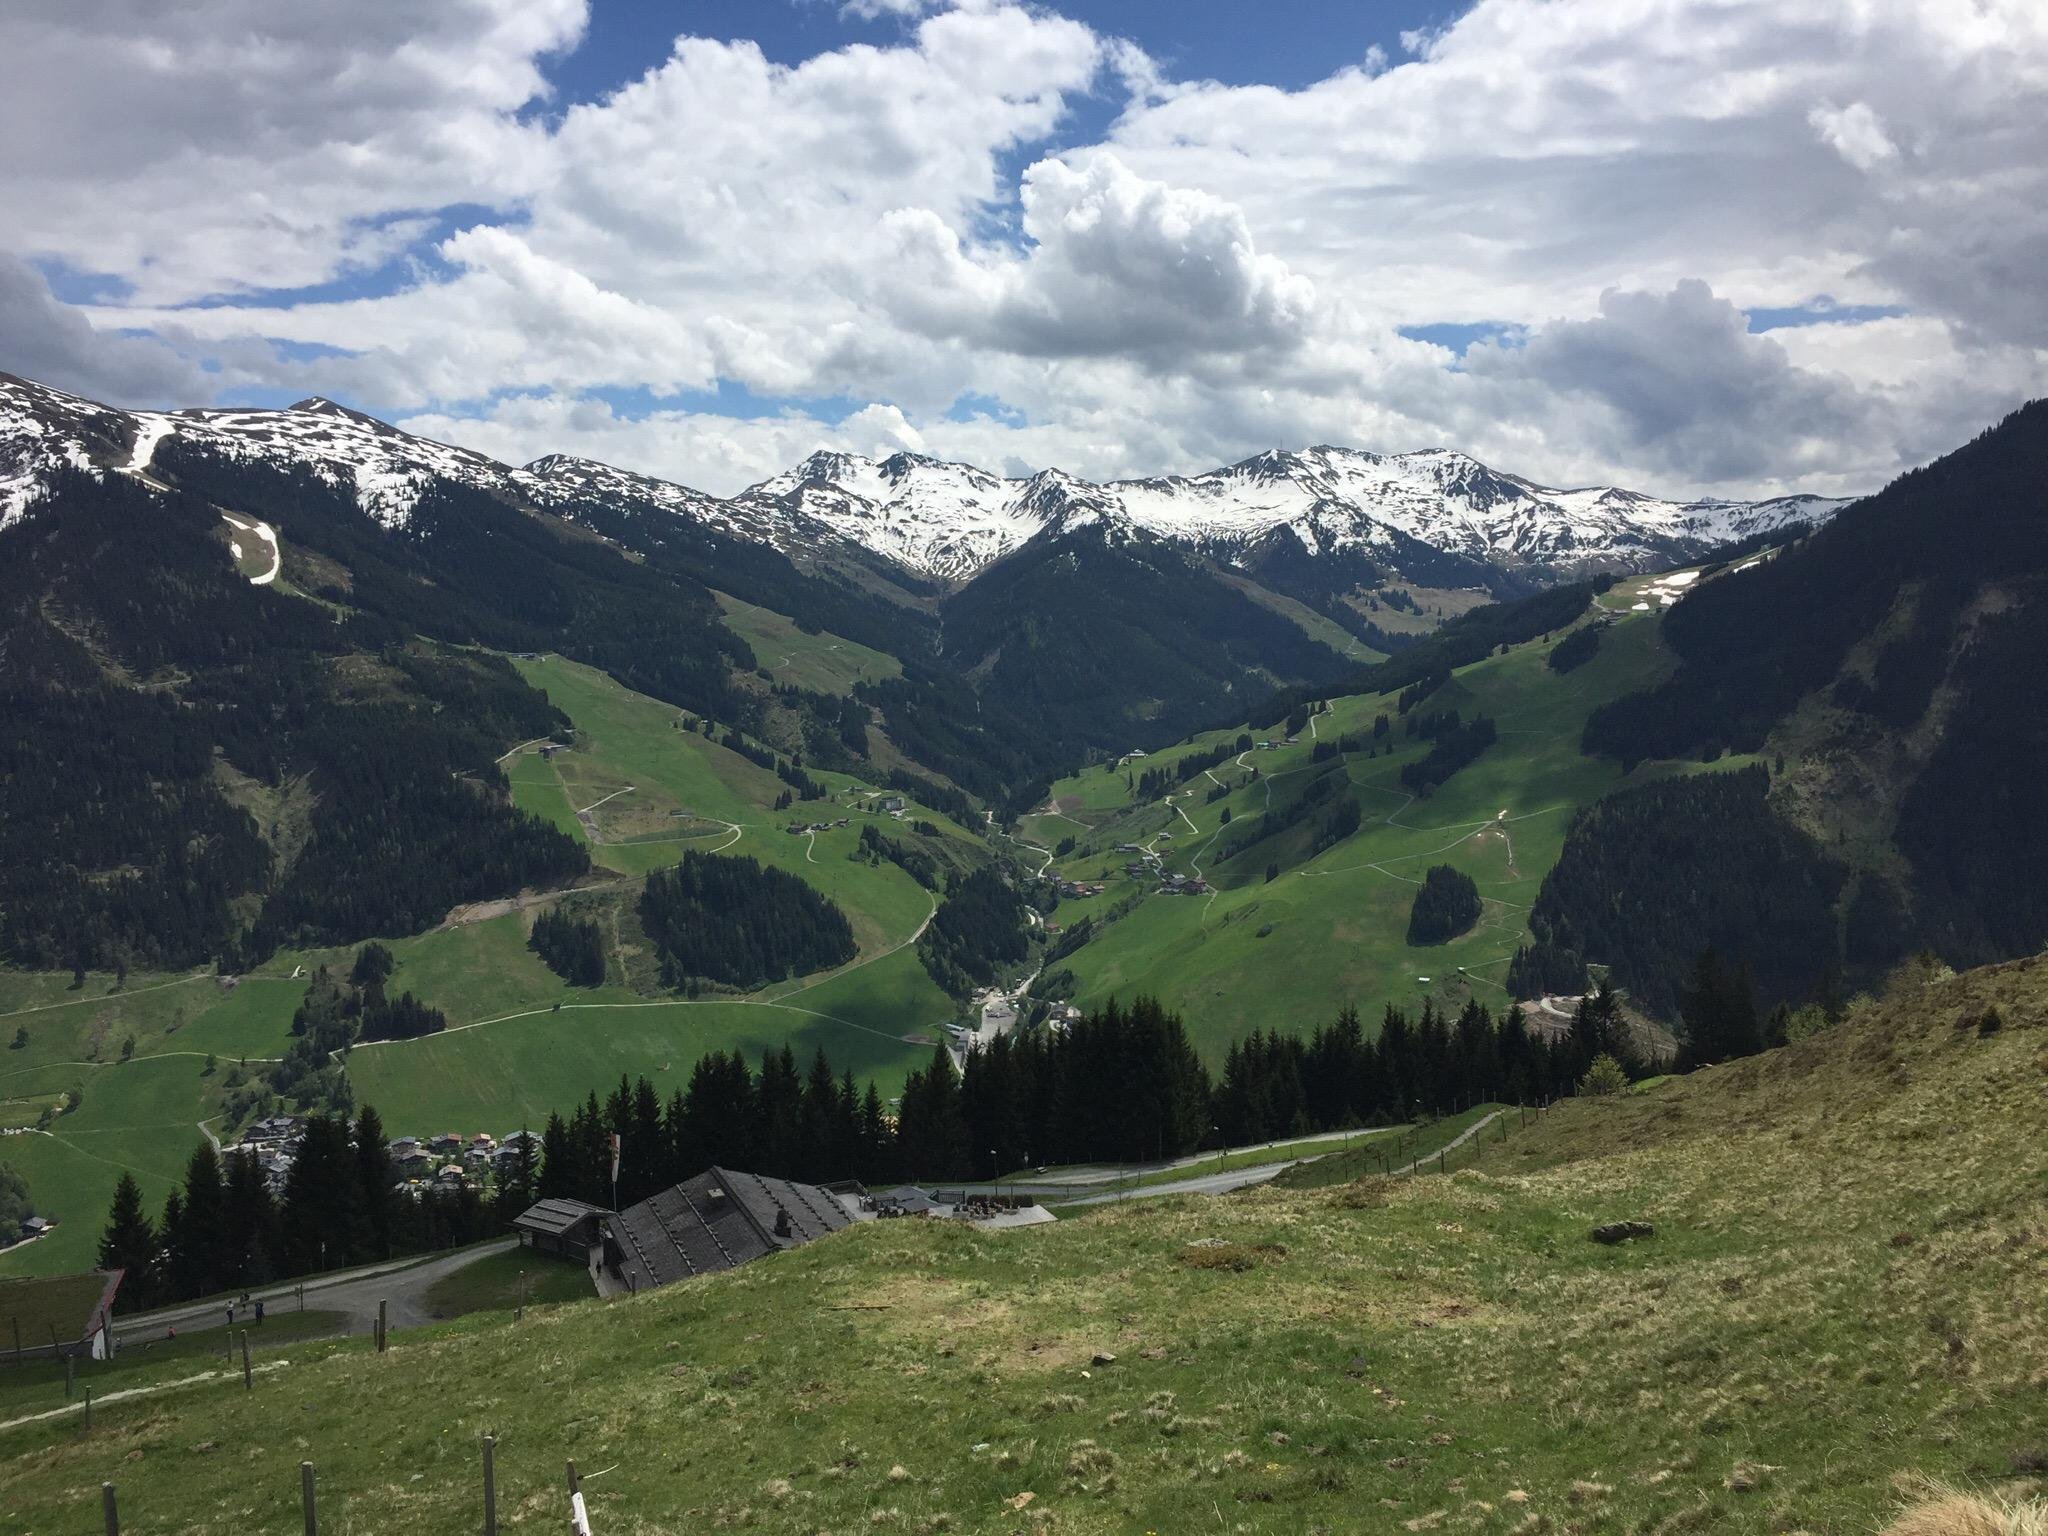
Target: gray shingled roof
(719, 1220)
(554, 1217)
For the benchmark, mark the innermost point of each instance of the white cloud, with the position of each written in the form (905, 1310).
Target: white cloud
(1856, 134)
(219, 146)
(900, 226)
(1117, 266)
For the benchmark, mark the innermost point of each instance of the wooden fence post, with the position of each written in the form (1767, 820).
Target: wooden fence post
(17, 1340)
(579, 1517)
(248, 1376)
(382, 1324)
(110, 1509)
(306, 1498)
(490, 1487)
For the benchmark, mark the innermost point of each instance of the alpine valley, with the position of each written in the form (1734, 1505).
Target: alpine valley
(879, 757)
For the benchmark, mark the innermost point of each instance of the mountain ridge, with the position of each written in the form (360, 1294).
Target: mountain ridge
(947, 521)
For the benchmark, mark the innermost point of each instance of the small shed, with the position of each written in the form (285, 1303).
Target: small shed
(568, 1229)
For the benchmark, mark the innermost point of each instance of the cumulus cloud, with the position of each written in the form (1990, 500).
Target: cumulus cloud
(1117, 266)
(219, 146)
(46, 340)
(1856, 134)
(1676, 382)
(908, 226)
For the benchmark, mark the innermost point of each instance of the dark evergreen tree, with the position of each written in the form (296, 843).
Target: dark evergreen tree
(556, 1179)
(195, 1243)
(130, 1243)
(249, 1223)
(374, 1179)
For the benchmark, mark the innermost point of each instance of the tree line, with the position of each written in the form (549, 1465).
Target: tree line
(223, 1230)
(730, 919)
(1122, 1084)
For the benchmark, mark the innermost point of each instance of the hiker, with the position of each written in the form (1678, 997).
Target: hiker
(259, 1312)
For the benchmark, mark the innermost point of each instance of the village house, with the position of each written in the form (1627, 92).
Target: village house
(567, 1229)
(272, 1131)
(413, 1162)
(717, 1221)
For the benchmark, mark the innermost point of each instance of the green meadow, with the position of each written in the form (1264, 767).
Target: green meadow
(820, 662)
(1331, 928)
(508, 1058)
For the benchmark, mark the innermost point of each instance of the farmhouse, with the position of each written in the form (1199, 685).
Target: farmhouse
(719, 1220)
(568, 1229)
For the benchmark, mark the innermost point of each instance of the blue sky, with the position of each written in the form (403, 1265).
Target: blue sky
(1288, 43)
(1683, 245)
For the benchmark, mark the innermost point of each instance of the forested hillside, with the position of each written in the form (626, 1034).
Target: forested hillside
(1889, 669)
(1104, 644)
(155, 708)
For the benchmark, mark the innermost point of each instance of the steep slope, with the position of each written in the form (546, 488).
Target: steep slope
(1846, 1232)
(1310, 836)
(1888, 669)
(155, 708)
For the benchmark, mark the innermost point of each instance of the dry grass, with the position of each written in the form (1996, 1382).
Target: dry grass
(1946, 1512)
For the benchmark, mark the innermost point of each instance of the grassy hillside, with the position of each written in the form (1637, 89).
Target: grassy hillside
(820, 662)
(1331, 930)
(508, 1056)
(1843, 1288)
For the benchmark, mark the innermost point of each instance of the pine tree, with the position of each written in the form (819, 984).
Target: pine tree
(373, 1183)
(556, 1179)
(129, 1243)
(518, 1184)
(193, 1253)
(249, 1222)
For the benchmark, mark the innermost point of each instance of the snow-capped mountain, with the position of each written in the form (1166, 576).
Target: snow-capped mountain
(951, 520)
(942, 520)
(42, 428)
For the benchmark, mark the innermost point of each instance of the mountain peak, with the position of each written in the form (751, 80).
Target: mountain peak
(320, 405)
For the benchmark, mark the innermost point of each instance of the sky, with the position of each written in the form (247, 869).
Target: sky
(1695, 247)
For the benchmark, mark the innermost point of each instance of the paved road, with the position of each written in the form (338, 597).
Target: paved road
(355, 1292)
(1071, 1180)
(1206, 1184)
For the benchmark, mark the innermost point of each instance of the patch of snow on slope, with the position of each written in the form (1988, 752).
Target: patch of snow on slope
(150, 429)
